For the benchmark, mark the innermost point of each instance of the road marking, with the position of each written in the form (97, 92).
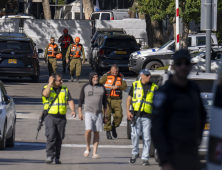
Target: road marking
(78, 145)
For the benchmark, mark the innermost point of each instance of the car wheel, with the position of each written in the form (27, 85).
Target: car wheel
(35, 79)
(152, 149)
(156, 156)
(11, 141)
(3, 141)
(153, 65)
(128, 129)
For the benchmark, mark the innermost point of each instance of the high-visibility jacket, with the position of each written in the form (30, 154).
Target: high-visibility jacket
(66, 41)
(76, 51)
(51, 49)
(110, 82)
(139, 98)
(60, 104)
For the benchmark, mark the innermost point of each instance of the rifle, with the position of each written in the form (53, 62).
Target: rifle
(41, 120)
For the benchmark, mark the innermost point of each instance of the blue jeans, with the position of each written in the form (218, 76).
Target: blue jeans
(142, 124)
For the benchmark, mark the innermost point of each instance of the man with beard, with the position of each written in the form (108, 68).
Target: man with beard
(94, 95)
(178, 118)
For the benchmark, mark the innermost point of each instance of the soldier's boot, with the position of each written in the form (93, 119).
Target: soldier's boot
(108, 135)
(114, 132)
(72, 78)
(77, 79)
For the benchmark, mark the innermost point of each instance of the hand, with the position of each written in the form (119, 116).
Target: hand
(129, 115)
(105, 120)
(67, 60)
(54, 52)
(167, 167)
(51, 80)
(83, 62)
(46, 60)
(114, 87)
(80, 116)
(73, 113)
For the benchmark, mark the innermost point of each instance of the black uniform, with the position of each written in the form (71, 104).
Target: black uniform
(177, 124)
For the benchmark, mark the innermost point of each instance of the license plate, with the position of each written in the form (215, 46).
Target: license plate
(207, 126)
(120, 52)
(12, 61)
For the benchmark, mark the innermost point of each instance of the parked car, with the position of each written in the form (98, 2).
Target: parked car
(13, 34)
(199, 61)
(160, 57)
(116, 14)
(113, 49)
(7, 119)
(205, 82)
(103, 31)
(19, 58)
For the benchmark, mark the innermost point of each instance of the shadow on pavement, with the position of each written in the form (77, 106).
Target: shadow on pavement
(25, 148)
(5, 161)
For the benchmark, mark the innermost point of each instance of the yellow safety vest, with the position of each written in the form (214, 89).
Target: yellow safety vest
(138, 97)
(60, 104)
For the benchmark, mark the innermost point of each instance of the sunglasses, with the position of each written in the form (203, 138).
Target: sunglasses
(180, 63)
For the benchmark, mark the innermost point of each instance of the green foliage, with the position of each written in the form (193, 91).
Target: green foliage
(60, 1)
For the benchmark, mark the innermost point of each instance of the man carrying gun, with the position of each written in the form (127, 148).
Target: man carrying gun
(55, 98)
(141, 97)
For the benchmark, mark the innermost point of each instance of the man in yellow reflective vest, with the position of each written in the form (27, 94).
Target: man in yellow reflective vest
(141, 97)
(57, 95)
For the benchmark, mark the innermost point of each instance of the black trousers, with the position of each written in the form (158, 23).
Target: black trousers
(55, 133)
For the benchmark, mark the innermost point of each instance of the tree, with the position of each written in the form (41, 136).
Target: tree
(46, 8)
(88, 8)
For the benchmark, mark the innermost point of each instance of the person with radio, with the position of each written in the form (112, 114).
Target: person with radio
(55, 98)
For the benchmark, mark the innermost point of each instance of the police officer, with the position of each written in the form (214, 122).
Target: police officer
(65, 40)
(141, 98)
(114, 84)
(57, 95)
(74, 53)
(178, 118)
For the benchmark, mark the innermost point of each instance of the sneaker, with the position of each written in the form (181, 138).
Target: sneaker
(145, 162)
(49, 160)
(133, 159)
(114, 132)
(108, 135)
(72, 78)
(57, 161)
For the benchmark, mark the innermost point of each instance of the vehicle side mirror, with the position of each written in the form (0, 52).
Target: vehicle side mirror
(7, 99)
(40, 50)
(139, 45)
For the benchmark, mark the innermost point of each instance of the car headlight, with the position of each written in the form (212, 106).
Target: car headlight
(136, 55)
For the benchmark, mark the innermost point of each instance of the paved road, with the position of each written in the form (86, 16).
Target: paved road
(29, 153)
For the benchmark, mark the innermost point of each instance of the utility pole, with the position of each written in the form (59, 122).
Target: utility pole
(177, 26)
(81, 10)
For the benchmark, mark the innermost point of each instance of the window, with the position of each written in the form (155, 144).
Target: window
(3, 92)
(105, 16)
(95, 16)
(202, 40)
(189, 44)
(15, 46)
(77, 15)
(218, 93)
(120, 43)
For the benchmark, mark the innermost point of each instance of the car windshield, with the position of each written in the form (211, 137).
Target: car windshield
(120, 43)
(166, 44)
(15, 46)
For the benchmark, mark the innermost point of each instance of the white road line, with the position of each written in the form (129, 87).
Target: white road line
(78, 145)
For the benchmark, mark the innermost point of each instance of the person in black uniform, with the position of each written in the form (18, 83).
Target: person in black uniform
(178, 118)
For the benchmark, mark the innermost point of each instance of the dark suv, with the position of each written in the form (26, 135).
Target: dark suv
(113, 49)
(19, 58)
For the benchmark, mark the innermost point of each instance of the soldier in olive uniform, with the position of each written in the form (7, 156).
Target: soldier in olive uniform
(74, 52)
(50, 55)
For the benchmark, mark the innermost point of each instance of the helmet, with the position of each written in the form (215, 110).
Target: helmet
(65, 31)
(77, 39)
(59, 56)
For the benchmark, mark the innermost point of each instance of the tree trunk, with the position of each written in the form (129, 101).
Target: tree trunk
(132, 13)
(88, 8)
(168, 32)
(184, 36)
(46, 8)
(149, 31)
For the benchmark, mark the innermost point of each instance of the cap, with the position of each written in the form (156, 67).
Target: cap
(65, 31)
(145, 72)
(182, 54)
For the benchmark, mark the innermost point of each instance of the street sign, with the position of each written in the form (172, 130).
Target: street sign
(203, 23)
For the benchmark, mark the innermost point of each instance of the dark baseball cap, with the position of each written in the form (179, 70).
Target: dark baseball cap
(145, 72)
(182, 54)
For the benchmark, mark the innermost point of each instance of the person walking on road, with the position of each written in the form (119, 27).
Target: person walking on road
(94, 95)
(55, 98)
(50, 55)
(65, 40)
(114, 84)
(178, 118)
(73, 55)
(141, 98)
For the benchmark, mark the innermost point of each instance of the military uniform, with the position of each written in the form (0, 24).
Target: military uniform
(66, 41)
(52, 61)
(114, 100)
(74, 54)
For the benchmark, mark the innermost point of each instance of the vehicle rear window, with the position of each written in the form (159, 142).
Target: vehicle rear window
(95, 16)
(105, 16)
(205, 85)
(189, 42)
(15, 46)
(120, 43)
(202, 40)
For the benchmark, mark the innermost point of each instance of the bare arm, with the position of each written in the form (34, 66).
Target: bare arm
(128, 103)
(46, 91)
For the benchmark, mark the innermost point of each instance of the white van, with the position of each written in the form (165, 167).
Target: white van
(116, 14)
